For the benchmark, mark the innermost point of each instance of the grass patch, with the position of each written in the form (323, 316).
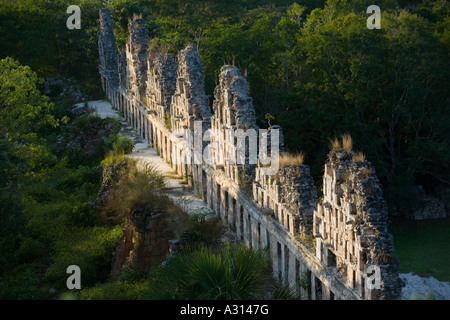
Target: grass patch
(347, 142)
(290, 159)
(359, 156)
(335, 144)
(423, 247)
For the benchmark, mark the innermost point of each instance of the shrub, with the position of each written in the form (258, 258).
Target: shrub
(90, 249)
(203, 229)
(84, 215)
(229, 272)
(123, 145)
(134, 188)
(168, 122)
(245, 181)
(88, 174)
(365, 174)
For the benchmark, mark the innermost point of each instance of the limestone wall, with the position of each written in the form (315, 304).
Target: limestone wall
(107, 51)
(136, 54)
(161, 83)
(323, 247)
(350, 226)
(189, 102)
(233, 115)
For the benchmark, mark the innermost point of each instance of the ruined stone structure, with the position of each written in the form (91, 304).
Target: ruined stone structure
(144, 245)
(330, 247)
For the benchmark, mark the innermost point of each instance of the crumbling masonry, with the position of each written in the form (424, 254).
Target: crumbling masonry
(325, 247)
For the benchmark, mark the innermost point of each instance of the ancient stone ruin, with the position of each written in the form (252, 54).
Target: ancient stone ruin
(333, 247)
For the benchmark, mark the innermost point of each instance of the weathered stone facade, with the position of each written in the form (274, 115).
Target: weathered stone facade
(137, 54)
(325, 247)
(350, 226)
(234, 116)
(161, 83)
(107, 52)
(189, 102)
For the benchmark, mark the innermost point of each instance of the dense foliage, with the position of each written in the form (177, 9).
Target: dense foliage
(46, 223)
(230, 272)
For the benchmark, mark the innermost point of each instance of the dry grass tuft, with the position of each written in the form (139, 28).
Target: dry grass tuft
(347, 142)
(365, 174)
(359, 156)
(137, 16)
(289, 159)
(335, 144)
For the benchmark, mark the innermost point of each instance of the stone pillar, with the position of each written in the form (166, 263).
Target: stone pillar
(274, 255)
(292, 273)
(255, 233)
(239, 222)
(313, 287)
(246, 228)
(222, 203)
(284, 263)
(138, 120)
(232, 203)
(263, 236)
(208, 191)
(325, 292)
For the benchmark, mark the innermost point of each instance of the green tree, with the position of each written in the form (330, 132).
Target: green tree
(387, 88)
(24, 112)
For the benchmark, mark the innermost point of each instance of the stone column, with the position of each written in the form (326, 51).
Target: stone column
(292, 273)
(231, 211)
(246, 228)
(255, 233)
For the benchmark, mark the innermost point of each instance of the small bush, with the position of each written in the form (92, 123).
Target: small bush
(245, 181)
(134, 188)
(203, 229)
(229, 272)
(168, 122)
(84, 121)
(131, 276)
(123, 145)
(89, 174)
